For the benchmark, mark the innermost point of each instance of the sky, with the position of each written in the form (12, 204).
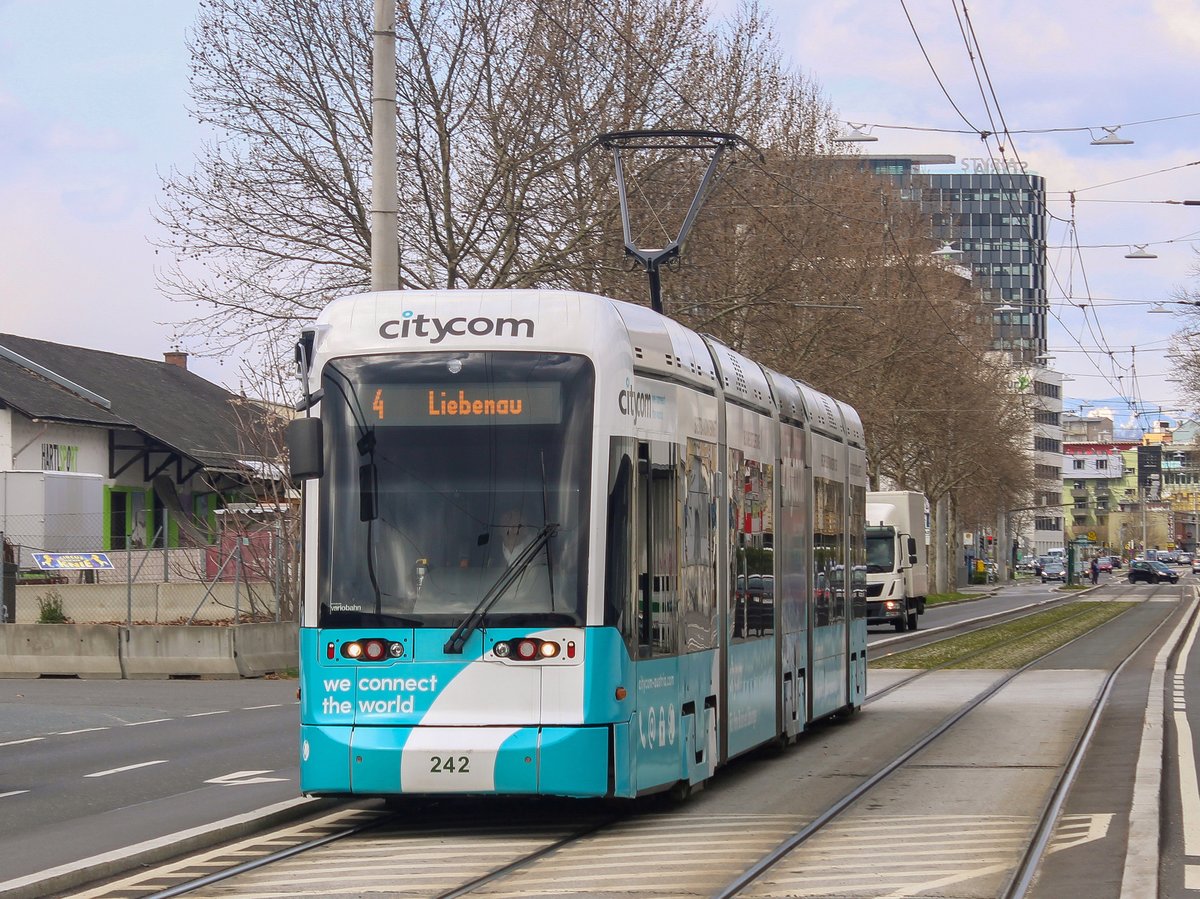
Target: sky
(92, 114)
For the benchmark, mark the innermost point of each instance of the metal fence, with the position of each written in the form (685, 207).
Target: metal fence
(247, 573)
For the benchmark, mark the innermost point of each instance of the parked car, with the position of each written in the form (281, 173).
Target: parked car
(1151, 572)
(1054, 570)
(1117, 562)
(1105, 563)
(1185, 559)
(1195, 564)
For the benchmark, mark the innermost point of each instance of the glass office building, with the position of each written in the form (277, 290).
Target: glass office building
(997, 222)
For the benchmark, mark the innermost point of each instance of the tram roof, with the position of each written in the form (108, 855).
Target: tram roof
(373, 322)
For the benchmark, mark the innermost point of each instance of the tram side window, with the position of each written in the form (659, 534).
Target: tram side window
(829, 552)
(738, 569)
(752, 512)
(620, 587)
(858, 550)
(792, 540)
(698, 597)
(659, 509)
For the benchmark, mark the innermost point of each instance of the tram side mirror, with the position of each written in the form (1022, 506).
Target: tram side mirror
(912, 551)
(303, 438)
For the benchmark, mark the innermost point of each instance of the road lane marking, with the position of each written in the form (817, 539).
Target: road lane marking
(127, 768)
(1142, 851)
(203, 714)
(12, 793)
(1189, 784)
(254, 708)
(19, 742)
(244, 778)
(146, 852)
(151, 721)
(70, 733)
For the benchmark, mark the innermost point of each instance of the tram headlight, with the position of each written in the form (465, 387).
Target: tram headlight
(373, 649)
(526, 649)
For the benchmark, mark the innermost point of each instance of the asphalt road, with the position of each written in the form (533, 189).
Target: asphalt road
(91, 766)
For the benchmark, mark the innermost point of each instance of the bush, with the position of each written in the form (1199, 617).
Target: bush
(50, 609)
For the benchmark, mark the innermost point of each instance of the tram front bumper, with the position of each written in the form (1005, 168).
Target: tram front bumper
(557, 761)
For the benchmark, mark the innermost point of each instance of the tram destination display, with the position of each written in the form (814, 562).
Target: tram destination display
(465, 404)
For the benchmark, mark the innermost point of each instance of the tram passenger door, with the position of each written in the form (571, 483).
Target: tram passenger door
(657, 549)
(660, 736)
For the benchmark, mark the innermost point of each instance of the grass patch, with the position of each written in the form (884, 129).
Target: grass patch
(933, 599)
(1012, 644)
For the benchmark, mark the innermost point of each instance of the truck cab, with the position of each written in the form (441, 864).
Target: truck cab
(897, 561)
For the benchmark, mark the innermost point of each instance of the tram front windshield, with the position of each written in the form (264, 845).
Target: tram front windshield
(455, 480)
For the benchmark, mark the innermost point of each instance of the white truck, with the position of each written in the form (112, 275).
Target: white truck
(897, 558)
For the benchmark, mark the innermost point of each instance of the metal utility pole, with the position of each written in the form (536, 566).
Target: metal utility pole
(1145, 499)
(385, 251)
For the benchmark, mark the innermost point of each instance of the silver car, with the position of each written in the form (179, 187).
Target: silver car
(1054, 570)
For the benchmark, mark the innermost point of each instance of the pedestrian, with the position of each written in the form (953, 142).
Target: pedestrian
(1095, 570)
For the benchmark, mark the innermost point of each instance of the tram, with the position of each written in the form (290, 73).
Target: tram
(558, 544)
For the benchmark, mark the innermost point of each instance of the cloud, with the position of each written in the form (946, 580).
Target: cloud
(102, 203)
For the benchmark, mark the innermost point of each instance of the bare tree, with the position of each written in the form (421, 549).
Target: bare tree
(495, 100)
(799, 259)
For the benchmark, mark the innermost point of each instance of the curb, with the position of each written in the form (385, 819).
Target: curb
(123, 861)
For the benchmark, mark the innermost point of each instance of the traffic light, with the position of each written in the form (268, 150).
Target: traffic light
(990, 539)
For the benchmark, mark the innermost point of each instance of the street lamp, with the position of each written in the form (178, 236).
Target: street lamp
(1110, 139)
(858, 134)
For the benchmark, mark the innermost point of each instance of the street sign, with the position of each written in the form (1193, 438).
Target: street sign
(72, 561)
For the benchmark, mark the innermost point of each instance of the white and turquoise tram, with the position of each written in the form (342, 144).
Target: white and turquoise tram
(527, 523)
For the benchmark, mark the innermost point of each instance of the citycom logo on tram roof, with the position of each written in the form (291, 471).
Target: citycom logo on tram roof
(412, 324)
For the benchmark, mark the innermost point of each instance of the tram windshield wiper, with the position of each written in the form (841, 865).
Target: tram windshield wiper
(515, 569)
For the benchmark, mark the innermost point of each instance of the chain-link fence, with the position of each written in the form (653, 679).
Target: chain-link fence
(246, 573)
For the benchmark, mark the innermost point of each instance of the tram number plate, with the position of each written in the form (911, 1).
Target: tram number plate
(449, 764)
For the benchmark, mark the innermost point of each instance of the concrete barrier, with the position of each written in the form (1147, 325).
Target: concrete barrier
(154, 603)
(80, 650)
(266, 648)
(179, 601)
(149, 651)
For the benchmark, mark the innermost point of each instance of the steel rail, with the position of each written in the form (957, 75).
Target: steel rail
(189, 886)
(503, 870)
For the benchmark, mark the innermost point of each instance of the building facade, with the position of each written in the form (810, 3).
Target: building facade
(994, 223)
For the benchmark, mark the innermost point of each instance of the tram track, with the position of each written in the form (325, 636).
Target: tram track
(253, 867)
(1010, 642)
(1024, 867)
(517, 859)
